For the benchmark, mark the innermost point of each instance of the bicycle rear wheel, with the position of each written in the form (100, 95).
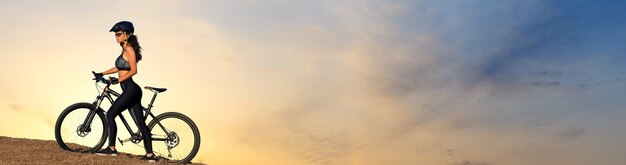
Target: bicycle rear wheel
(181, 137)
(74, 134)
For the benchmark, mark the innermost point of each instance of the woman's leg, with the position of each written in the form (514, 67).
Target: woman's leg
(141, 124)
(137, 113)
(123, 102)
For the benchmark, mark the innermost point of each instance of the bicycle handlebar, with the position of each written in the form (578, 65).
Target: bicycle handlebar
(100, 78)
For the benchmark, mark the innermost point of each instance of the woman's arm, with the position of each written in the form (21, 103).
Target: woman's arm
(130, 55)
(110, 71)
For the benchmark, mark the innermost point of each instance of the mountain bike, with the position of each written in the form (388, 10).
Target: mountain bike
(82, 127)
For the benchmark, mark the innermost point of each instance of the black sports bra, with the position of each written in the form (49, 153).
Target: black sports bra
(122, 64)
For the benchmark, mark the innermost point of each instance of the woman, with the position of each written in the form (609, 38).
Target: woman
(126, 67)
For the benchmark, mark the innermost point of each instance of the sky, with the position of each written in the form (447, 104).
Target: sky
(468, 82)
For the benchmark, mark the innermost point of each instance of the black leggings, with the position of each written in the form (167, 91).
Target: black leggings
(129, 99)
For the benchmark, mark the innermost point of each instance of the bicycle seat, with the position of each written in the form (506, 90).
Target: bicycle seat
(155, 89)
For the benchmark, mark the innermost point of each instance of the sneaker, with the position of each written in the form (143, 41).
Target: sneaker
(107, 151)
(152, 158)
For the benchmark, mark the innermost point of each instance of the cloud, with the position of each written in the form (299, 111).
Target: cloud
(572, 133)
(295, 134)
(465, 162)
(17, 108)
(41, 116)
(501, 71)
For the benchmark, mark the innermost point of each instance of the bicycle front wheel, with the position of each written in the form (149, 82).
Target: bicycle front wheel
(81, 128)
(175, 137)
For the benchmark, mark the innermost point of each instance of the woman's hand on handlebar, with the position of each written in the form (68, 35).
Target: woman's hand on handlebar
(113, 80)
(97, 74)
(99, 77)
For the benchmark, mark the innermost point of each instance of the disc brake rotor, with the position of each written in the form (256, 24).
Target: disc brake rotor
(80, 131)
(172, 140)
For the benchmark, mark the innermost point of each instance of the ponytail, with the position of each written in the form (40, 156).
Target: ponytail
(132, 40)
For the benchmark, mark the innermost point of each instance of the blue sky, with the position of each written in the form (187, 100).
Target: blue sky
(344, 82)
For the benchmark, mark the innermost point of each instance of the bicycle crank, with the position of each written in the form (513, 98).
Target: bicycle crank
(135, 139)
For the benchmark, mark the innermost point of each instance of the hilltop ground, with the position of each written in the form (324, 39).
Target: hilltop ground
(33, 151)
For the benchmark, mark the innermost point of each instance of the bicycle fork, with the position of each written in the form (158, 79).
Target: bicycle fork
(86, 126)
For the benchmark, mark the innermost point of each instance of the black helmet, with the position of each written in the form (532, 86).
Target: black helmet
(124, 26)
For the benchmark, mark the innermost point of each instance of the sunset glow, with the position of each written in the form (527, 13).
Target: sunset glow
(340, 82)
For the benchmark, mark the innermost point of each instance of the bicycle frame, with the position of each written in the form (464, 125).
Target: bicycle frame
(109, 94)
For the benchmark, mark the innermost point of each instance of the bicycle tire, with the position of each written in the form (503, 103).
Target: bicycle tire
(189, 122)
(84, 147)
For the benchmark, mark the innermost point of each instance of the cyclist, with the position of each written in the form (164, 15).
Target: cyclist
(126, 67)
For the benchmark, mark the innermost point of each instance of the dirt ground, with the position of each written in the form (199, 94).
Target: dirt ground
(33, 151)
